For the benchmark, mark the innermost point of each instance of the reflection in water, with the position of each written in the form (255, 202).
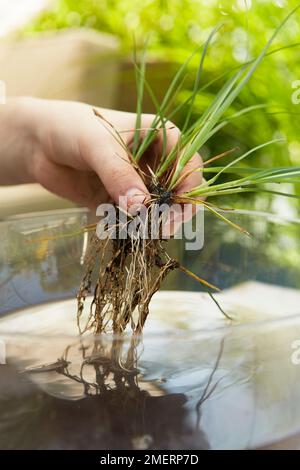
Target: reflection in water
(210, 386)
(194, 381)
(40, 258)
(115, 410)
(246, 394)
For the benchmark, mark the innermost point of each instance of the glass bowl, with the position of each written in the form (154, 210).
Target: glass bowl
(195, 380)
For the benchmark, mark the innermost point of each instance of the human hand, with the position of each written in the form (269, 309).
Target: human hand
(63, 146)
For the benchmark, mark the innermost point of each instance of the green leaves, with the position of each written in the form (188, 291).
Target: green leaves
(252, 182)
(195, 136)
(140, 82)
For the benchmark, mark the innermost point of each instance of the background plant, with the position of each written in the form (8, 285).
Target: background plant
(175, 28)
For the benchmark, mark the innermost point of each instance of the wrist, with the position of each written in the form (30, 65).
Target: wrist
(20, 135)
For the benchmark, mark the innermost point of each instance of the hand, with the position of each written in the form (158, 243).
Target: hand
(63, 146)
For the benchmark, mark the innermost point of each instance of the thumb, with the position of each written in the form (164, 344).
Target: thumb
(118, 176)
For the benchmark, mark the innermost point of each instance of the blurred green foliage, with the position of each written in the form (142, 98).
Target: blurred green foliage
(175, 28)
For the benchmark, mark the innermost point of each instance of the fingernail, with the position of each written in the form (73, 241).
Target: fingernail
(135, 198)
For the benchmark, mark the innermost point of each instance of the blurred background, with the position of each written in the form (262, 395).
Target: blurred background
(82, 50)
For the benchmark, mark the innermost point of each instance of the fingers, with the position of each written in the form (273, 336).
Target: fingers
(113, 166)
(115, 170)
(81, 187)
(160, 148)
(191, 178)
(191, 175)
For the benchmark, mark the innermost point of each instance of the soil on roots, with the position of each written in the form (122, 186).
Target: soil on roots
(128, 273)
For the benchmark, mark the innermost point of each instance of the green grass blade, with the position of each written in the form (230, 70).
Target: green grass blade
(224, 104)
(242, 157)
(192, 132)
(261, 177)
(140, 81)
(233, 69)
(198, 76)
(172, 90)
(224, 219)
(229, 192)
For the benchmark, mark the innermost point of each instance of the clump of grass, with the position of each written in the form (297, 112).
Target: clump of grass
(132, 270)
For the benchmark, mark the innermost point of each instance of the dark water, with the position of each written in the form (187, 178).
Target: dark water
(31, 419)
(223, 388)
(123, 417)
